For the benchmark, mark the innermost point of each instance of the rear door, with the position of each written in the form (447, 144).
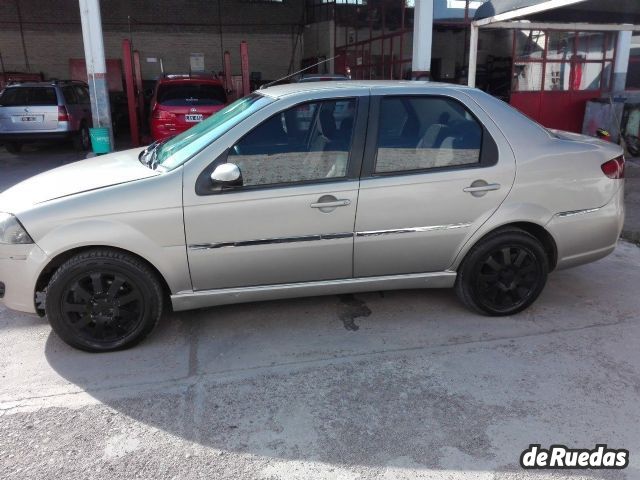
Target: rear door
(26, 109)
(436, 168)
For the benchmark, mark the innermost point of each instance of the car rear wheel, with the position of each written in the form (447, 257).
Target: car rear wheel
(13, 147)
(103, 300)
(503, 274)
(82, 140)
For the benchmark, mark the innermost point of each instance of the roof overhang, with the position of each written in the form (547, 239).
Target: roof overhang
(493, 12)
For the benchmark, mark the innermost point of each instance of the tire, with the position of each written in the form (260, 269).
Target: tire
(13, 147)
(503, 274)
(82, 140)
(103, 300)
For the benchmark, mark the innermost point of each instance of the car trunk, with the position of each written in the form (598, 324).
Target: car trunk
(189, 102)
(187, 116)
(25, 109)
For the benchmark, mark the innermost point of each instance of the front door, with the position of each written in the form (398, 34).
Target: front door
(292, 218)
(434, 171)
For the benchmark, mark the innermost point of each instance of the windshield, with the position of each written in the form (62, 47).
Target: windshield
(28, 97)
(180, 148)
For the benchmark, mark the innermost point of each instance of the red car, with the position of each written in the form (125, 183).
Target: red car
(181, 101)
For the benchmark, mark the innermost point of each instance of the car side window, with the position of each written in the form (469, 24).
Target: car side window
(83, 94)
(307, 142)
(424, 132)
(70, 97)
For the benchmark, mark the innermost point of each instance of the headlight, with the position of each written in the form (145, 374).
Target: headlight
(11, 230)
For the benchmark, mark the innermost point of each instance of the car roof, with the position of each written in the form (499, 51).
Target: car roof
(51, 83)
(278, 91)
(31, 84)
(324, 75)
(177, 78)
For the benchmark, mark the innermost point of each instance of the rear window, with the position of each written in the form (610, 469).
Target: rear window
(187, 94)
(28, 96)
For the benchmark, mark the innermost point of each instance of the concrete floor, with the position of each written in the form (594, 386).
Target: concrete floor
(393, 385)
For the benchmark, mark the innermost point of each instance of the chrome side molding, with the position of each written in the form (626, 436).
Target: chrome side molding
(267, 241)
(572, 213)
(413, 229)
(324, 236)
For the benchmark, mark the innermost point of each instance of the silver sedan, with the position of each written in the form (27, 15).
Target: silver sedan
(311, 189)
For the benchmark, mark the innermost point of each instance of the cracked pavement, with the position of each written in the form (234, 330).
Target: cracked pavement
(393, 385)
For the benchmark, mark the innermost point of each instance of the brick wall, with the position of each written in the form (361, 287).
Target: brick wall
(165, 29)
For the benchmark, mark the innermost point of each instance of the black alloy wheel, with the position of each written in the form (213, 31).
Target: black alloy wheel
(507, 278)
(13, 147)
(103, 300)
(503, 274)
(102, 307)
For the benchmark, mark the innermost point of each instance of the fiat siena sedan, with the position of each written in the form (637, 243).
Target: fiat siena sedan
(311, 189)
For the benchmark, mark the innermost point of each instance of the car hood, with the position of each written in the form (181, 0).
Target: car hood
(82, 176)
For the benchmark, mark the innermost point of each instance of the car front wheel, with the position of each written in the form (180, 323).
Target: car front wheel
(13, 147)
(103, 300)
(503, 274)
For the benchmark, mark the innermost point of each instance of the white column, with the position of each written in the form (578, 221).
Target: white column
(621, 65)
(422, 39)
(473, 55)
(96, 65)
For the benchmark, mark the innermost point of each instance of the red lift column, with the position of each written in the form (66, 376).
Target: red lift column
(244, 59)
(228, 82)
(127, 62)
(137, 71)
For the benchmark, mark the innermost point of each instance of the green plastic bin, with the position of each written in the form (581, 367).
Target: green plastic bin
(100, 142)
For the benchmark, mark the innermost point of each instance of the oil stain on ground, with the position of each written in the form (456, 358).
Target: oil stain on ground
(351, 308)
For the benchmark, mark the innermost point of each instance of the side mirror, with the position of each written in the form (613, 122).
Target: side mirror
(227, 175)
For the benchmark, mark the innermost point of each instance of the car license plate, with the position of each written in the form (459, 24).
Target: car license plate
(193, 118)
(31, 118)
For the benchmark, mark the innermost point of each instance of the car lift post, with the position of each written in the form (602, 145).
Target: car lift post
(96, 66)
(127, 60)
(244, 61)
(137, 71)
(227, 76)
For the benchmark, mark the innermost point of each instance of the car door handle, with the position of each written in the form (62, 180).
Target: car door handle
(336, 203)
(482, 188)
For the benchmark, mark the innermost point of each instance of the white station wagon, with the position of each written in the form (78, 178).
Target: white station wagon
(311, 189)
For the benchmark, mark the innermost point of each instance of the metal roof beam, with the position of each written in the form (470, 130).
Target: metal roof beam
(586, 27)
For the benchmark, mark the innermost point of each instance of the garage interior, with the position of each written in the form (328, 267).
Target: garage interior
(566, 61)
(373, 386)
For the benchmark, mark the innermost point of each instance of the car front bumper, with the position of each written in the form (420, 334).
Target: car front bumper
(20, 266)
(584, 236)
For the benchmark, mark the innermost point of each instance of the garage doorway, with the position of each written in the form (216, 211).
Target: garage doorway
(556, 72)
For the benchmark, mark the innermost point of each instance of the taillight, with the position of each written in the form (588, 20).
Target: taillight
(614, 168)
(63, 115)
(163, 115)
